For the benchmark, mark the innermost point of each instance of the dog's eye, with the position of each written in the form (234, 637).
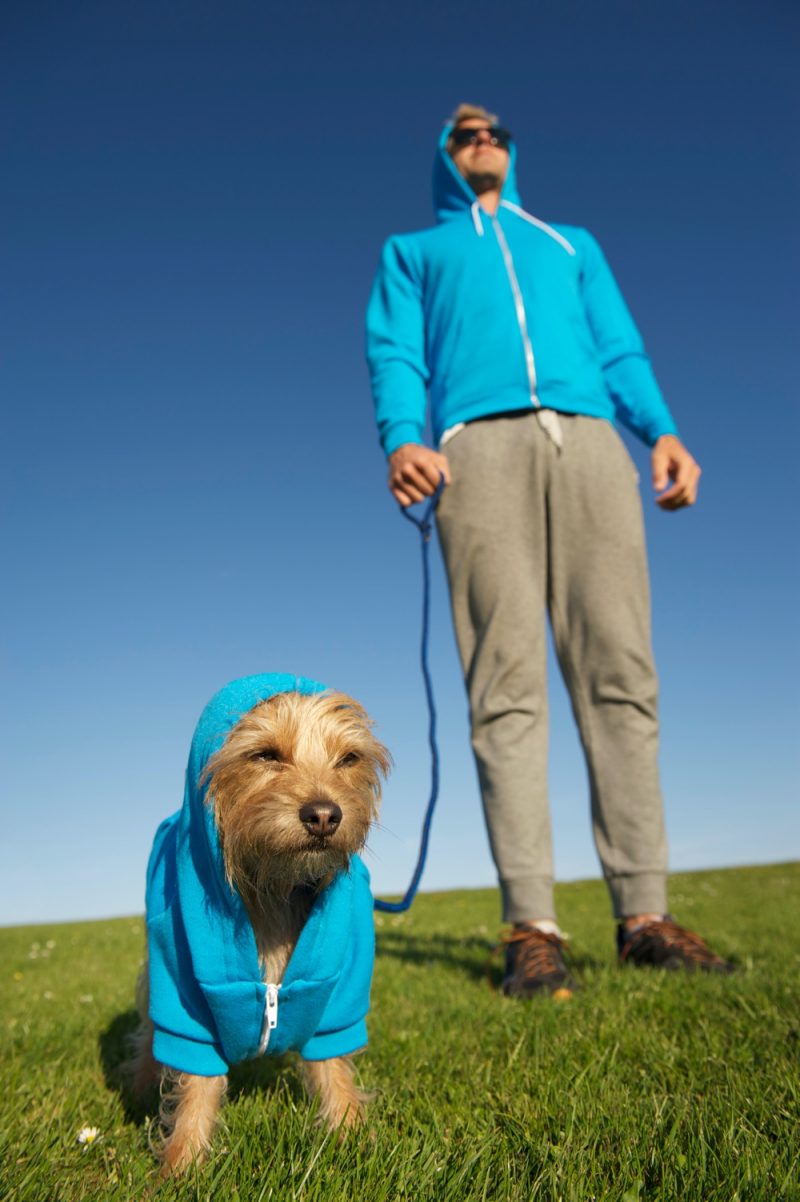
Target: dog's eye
(269, 754)
(348, 760)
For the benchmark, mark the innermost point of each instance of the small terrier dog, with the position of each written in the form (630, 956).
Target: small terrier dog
(275, 811)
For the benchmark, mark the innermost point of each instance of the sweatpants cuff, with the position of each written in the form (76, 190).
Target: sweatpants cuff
(527, 897)
(638, 893)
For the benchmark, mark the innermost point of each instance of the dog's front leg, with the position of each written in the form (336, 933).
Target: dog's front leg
(189, 1110)
(341, 1102)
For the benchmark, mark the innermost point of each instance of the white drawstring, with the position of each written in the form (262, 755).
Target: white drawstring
(548, 420)
(542, 225)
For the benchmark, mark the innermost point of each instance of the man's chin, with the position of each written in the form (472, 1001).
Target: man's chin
(484, 181)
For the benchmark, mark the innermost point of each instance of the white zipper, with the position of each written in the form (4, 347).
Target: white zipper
(270, 1017)
(520, 308)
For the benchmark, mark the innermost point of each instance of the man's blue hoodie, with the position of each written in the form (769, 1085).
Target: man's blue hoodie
(208, 1001)
(500, 313)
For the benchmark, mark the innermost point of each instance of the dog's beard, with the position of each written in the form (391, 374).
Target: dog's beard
(483, 181)
(277, 873)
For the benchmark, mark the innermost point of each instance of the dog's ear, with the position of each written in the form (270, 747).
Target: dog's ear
(359, 726)
(380, 755)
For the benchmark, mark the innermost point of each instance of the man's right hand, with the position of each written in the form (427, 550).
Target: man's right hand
(414, 473)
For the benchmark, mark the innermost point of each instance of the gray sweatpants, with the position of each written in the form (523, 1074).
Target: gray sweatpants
(524, 528)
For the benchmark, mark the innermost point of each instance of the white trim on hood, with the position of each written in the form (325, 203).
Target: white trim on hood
(542, 225)
(475, 209)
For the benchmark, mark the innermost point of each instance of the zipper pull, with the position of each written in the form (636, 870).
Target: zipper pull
(272, 1006)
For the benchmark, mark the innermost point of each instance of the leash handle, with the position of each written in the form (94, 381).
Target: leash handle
(425, 523)
(425, 526)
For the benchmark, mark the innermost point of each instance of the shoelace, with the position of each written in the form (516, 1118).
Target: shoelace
(673, 935)
(537, 950)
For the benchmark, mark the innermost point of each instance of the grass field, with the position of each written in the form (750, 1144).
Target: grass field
(644, 1086)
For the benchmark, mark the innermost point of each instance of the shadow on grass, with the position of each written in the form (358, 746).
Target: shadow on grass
(471, 955)
(263, 1075)
(266, 1075)
(115, 1051)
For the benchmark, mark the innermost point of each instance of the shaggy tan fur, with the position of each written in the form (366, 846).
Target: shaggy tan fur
(286, 752)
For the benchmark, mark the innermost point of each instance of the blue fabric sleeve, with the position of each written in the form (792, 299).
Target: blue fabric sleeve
(188, 1055)
(330, 1044)
(396, 349)
(626, 367)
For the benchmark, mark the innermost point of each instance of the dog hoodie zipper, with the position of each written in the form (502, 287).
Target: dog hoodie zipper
(270, 1017)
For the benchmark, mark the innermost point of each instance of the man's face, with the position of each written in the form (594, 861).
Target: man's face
(479, 162)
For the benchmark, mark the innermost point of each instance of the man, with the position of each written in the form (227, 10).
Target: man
(519, 333)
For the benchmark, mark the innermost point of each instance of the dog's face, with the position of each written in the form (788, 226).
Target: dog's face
(295, 788)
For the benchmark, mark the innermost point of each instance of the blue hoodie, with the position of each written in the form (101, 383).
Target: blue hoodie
(208, 1002)
(493, 314)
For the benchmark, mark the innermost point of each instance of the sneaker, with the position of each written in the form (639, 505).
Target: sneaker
(662, 943)
(535, 965)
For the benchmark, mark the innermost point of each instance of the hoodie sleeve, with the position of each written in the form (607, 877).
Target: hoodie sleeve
(183, 1027)
(626, 367)
(396, 349)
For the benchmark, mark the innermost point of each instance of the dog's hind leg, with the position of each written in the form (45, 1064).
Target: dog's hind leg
(189, 1109)
(141, 1069)
(341, 1102)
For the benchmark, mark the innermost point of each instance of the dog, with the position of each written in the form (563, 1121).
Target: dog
(259, 910)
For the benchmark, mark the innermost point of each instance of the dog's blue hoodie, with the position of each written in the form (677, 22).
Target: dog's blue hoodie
(501, 313)
(208, 1002)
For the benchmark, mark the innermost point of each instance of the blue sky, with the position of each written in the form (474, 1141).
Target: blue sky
(194, 200)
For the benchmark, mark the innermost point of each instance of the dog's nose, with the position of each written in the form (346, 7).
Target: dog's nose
(320, 818)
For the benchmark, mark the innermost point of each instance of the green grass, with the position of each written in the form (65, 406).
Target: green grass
(644, 1086)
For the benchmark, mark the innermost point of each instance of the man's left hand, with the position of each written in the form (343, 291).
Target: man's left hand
(674, 466)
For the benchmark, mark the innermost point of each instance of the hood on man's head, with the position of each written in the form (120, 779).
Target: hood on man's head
(451, 192)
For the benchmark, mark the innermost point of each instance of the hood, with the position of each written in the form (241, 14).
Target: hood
(215, 723)
(451, 192)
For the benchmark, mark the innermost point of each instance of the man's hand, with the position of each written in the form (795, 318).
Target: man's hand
(414, 473)
(672, 462)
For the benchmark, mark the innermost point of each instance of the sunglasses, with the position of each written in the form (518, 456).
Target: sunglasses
(468, 137)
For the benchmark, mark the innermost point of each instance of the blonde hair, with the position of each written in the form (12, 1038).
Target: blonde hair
(467, 112)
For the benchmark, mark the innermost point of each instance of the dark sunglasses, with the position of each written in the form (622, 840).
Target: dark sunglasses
(468, 137)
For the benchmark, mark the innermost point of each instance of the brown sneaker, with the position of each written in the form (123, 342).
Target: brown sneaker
(535, 965)
(662, 943)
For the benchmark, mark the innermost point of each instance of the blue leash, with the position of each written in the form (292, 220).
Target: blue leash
(425, 526)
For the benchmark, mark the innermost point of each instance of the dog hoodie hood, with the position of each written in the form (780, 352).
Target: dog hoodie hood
(208, 1001)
